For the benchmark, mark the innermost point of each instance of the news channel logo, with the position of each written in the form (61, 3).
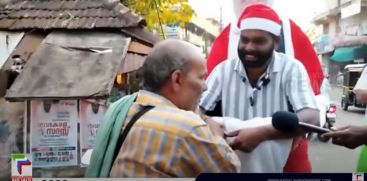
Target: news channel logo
(21, 167)
(358, 177)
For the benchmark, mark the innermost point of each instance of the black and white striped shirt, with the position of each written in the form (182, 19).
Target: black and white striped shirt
(287, 80)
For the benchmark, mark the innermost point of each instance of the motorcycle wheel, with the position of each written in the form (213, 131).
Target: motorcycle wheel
(344, 105)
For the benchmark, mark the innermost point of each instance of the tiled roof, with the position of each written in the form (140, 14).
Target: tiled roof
(67, 14)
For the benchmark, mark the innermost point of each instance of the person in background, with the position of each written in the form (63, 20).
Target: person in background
(325, 89)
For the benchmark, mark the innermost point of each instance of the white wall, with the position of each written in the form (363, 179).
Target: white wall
(333, 27)
(355, 25)
(8, 41)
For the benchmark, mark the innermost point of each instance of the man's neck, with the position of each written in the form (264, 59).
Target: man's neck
(167, 94)
(253, 74)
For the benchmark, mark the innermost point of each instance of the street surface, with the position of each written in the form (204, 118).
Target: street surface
(328, 158)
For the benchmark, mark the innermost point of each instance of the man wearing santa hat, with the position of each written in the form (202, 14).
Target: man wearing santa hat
(293, 43)
(252, 80)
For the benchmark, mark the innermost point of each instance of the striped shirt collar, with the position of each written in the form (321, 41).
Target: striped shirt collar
(149, 98)
(274, 66)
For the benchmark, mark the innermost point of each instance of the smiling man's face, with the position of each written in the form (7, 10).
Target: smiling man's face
(256, 47)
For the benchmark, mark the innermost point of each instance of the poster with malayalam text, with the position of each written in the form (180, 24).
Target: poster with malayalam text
(54, 133)
(91, 115)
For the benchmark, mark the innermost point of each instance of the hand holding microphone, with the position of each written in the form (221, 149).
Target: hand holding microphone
(349, 136)
(288, 122)
(247, 139)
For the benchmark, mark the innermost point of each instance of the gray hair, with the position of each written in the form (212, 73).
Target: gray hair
(165, 58)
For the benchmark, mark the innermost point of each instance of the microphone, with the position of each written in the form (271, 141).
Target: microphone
(288, 122)
(313, 128)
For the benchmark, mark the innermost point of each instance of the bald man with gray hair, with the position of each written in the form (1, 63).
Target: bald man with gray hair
(175, 59)
(170, 55)
(169, 139)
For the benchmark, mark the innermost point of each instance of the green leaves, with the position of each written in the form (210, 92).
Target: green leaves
(170, 11)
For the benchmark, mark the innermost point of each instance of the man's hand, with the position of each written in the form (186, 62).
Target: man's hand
(247, 140)
(349, 136)
(217, 128)
(361, 95)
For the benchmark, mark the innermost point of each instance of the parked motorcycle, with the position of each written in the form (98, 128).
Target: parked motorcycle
(330, 121)
(327, 114)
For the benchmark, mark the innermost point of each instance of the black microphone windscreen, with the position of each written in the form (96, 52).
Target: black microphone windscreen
(285, 121)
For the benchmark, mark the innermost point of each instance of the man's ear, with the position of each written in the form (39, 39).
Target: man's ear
(176, 80)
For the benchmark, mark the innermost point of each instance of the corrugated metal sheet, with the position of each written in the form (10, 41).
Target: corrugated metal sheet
(139, 48)
(131, 63)
(141, 34)
(82, 68)
(135, 58)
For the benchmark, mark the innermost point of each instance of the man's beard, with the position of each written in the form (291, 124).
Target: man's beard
(261, 58)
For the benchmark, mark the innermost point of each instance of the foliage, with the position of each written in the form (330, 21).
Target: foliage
(171, 12)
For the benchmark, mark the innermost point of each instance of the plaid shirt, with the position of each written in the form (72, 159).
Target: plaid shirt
(170, 142)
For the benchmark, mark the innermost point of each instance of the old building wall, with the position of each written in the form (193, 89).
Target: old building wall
(11, 134)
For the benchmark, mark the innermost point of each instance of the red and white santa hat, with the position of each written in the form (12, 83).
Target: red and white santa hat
(259, 16)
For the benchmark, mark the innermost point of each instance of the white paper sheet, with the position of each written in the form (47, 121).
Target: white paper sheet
(268, 157)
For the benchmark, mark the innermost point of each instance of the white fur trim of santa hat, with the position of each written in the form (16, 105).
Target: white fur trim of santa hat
(261, 24)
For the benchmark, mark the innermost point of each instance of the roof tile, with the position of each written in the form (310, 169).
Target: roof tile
(82, 14)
